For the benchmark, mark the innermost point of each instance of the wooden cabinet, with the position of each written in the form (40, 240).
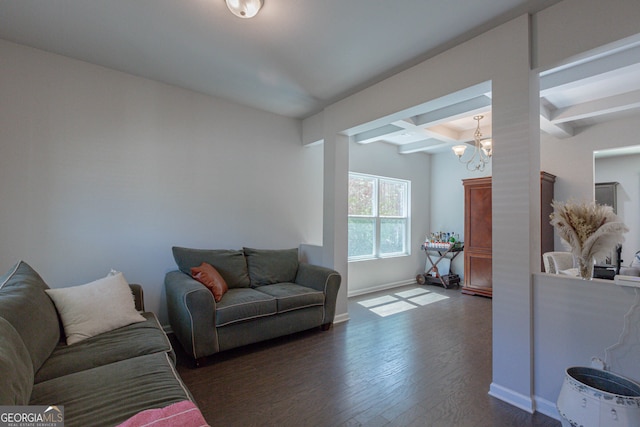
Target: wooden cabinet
(478, 234)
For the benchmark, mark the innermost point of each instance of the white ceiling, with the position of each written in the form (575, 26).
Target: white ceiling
(293, 58)
(572, 97)
(298, 56)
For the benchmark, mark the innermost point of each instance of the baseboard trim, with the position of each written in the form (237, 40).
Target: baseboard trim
(383, 287)
(547, 408)
(339, 318)
(513, 398)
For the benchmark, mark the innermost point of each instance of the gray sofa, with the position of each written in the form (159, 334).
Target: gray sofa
(270, 294)
(101, 381)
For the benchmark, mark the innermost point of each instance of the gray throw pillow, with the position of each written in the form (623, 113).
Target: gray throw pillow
(269, 266)
(231, 264)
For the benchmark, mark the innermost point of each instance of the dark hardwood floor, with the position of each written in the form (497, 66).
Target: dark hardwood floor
(428, 366)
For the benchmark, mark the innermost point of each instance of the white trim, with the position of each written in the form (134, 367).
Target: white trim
(513, 398)
(344, 317)
(382, 287)
(546, 407)
(377, 218)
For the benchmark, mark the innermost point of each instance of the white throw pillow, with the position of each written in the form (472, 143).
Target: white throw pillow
(95, 308)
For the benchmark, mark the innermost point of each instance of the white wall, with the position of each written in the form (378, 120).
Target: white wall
(383, 160)
(100, 169)
(571, 160)
(576, 320)
(447, 197)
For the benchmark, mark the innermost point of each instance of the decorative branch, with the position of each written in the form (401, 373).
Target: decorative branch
(590, 230)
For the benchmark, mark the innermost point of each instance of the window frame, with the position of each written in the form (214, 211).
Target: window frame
(377, 219)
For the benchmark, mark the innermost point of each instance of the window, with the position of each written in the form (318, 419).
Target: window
(378, 216)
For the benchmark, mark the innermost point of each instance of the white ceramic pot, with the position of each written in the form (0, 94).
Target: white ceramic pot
(595, 398)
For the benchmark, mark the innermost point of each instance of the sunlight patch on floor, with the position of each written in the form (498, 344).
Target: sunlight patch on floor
(392, 308)
(412, 292)
(378, 301)
(399, 302)
(428, 298)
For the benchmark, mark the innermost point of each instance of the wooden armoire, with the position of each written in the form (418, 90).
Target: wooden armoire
(478, 233)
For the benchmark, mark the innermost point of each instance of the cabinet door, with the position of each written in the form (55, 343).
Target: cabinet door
(477, 236)
(478, 232)
(477, 278)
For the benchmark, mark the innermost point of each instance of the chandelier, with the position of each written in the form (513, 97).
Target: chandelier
(482, 150)
(244, 8)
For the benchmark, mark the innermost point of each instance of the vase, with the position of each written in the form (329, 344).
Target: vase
(592, 397)
(585, 268)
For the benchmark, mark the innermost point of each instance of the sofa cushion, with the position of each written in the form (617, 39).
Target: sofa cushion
(231, 264)
(290, 296)
(24, 304)
(129, 341)
(211, 278)
(269, 266)
(94, 308)
(16, 378)
(111, 394)
(244, 304)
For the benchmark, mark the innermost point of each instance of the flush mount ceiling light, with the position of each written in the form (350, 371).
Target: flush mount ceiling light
(482, 150)
(244, 8)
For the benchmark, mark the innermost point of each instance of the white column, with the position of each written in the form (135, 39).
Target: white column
(516, 230)
(335, 215)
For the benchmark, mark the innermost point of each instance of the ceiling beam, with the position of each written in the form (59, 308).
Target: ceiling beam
(559, 130)
(376, 134)
(422, 146)
(575, 75)
(434, 104)
(598, 107)
(444, 133)
(455, 111)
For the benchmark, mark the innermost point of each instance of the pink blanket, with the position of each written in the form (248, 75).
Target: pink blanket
(183, 414)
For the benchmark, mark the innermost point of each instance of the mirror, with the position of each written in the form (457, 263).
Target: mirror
(617, 183)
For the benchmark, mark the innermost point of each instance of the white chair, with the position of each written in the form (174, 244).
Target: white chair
(634, 267)
(557, 262)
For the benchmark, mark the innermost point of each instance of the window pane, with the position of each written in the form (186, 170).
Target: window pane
(361, 236)
(393, 197)
(392, 236)
(361, 195)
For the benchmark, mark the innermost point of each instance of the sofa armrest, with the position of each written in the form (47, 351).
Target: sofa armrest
(191, 308)
(138, 296)
(322, 279)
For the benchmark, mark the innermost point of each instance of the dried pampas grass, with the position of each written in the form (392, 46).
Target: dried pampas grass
(592, 231)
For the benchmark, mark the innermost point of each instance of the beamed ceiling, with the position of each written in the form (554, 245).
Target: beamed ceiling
(298, 56)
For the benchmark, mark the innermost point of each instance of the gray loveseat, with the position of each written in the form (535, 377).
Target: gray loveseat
(270, 294)
(100, 381)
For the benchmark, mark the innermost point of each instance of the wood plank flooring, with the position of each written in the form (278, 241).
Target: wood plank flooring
(428, 366)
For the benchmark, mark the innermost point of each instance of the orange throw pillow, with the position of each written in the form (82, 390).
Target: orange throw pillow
(209, 276)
